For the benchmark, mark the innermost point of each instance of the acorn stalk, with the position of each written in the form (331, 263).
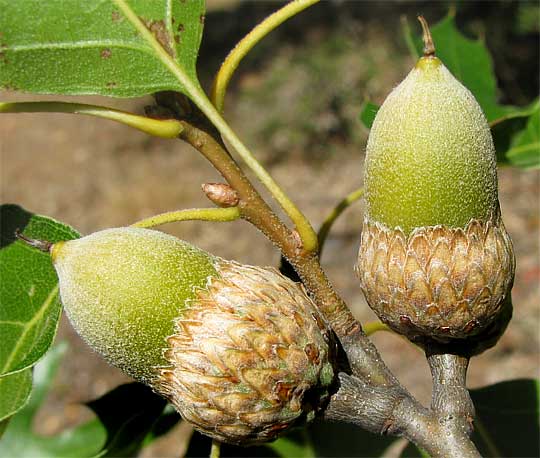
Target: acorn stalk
(435, 260)
(240, 351)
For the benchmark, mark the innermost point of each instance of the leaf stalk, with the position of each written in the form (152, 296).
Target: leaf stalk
(192, 214)
(334, 215)
(164, 128)
(197, 95)
(230, 64)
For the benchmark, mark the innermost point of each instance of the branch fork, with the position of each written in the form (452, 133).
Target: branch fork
(368, 394)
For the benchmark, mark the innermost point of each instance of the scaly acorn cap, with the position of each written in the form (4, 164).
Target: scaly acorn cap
(241, 351)
(435, 259)
(251, 357)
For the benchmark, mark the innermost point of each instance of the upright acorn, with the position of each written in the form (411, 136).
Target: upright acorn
(241, 351)
(435, 260)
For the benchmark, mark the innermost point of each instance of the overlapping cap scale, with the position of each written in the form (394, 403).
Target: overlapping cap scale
(435, 260)
(241, 351)
(251, 357)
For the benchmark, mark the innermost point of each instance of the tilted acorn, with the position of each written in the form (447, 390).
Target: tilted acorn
(241, 351)
(435, 260)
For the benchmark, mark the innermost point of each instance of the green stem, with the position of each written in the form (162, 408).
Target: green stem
(215, 449)
(527, 111)
(335, 213)
(254, 209)
(191, 214)
(407, 34)
(372, 327)
(247, 43)
(375, 326)
(166, 128)
(197, 95)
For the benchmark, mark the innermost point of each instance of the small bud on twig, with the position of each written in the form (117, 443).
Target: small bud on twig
(221, 194)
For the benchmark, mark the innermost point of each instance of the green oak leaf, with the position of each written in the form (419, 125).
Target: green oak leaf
(166, 422)
(15, 389)
(368, 112)
(297, 443)
(129, 424)
(343, 439)
(89, 47)
(29, 305)
(507, 420)
(319, 438)
(470, 62)
(525, 149)
(19, 440)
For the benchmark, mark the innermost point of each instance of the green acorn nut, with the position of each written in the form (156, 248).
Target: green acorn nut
(241, 351)
(435, 259)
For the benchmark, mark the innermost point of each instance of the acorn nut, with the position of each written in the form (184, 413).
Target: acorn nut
(435, 260)
(241, 351)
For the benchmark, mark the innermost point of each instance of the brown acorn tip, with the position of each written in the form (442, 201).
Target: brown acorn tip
(438, 282)
(41, 245)
(429, 46)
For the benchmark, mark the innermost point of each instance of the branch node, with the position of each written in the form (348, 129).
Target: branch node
(387, 427)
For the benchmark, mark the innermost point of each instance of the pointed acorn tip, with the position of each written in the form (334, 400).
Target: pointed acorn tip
(41, 245)
(429, 46)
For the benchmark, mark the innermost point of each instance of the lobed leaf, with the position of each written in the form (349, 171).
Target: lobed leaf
(317, 439)
(166, 422)
(412, 451)
(29, 305)
(469, 61)
(342, 439)
(298, 444)
(89, 47)
(199, 446)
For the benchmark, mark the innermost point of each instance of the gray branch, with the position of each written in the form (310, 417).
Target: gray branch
(392, 410)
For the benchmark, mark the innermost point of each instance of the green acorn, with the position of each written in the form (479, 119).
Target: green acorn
(435, 260)
(241, 351)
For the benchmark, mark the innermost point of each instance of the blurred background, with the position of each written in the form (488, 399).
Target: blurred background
(295, 100)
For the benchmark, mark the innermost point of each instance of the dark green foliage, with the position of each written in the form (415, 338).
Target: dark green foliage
(29, 305)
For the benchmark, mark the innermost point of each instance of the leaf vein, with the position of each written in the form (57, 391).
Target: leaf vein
(13, 323)
(29, 326)
(82, 44)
